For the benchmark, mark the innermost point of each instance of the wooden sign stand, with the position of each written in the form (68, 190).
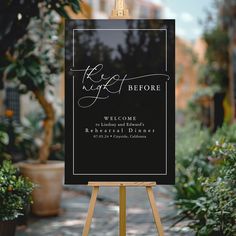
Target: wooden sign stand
(120, 11)
(122, 186)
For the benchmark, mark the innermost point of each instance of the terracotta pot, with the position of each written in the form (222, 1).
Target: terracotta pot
(48, 177)
(7, 228)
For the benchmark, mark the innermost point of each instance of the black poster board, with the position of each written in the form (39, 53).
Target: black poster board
(120, 101)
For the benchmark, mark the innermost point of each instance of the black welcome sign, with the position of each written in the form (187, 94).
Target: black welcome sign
(120, 101)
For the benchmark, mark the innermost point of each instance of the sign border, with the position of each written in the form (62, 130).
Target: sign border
(166, 88)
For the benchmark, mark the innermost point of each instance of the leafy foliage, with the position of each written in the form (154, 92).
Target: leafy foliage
(206, 179)
(213, 77)
(15, 192)
(58, 144)
(4, 140)
(30, 52)
(190, 160)
(16, 15)
(33, 125)
(33, 64)
(226, 132)
(215, 212)
(217, 41)
(16, 142)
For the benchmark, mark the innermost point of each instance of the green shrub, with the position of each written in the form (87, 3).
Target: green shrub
(192, 156)
(191, 146)
(206, 178)
(213, 213)
(15, 192)
(226, 132)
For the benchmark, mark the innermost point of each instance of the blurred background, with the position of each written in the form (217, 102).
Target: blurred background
(203, 201)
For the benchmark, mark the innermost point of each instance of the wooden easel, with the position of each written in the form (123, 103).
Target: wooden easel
(120, 11)
(122, 186)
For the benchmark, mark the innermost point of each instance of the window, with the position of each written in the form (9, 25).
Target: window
(12, 102)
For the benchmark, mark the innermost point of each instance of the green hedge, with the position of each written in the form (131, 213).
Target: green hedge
(206, 179)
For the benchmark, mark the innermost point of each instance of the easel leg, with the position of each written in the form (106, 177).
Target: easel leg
(90, 211)
(122, 211)
(155, 211)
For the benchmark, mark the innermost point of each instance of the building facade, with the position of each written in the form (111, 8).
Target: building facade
(138, 9)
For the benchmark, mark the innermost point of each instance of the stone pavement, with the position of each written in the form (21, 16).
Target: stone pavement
(105, 222)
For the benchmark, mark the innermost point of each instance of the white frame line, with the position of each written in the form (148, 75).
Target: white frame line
(166, 67)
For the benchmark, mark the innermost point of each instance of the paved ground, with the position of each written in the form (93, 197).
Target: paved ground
(75, 202)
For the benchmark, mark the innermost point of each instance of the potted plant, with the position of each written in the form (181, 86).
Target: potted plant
(32, 61)
(15, 195)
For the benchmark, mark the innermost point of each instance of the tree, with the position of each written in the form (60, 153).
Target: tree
(28, 54)
(227, 15)
(212, 94)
